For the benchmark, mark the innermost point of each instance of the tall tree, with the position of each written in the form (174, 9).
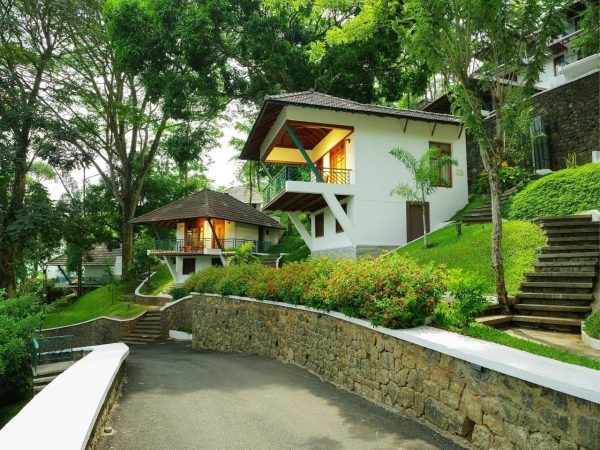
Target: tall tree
(32, 38)
(125, 107)
(490, 39)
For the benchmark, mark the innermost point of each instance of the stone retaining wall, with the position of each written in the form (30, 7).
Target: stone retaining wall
(103, 330)
(176, 314)
(480, 407)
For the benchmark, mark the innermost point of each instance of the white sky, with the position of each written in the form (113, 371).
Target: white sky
(221, 171)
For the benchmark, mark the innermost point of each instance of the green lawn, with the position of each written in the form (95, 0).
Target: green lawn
(96, 303)
(160, 280)
(472, 251)
(486, 333)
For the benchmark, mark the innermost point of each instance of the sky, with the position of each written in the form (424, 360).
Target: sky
(222, 170)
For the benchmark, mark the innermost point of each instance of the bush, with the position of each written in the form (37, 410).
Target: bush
(592, 325)
(509, 178)
(141, 262)
(468, 302)
(20, 318)
(179, 292)
(393, 292)
(564, 192)
(300, 254)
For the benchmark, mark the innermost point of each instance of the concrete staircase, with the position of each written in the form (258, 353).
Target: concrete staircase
(559, 292)
(46, 373)
(148, 329)
(483, 213)
(270, 261)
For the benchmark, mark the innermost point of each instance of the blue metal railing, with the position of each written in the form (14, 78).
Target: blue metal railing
(200, 245)
(303, 173)
(52, 349)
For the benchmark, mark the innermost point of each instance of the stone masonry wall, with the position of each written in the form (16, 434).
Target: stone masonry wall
(482, 409)
(572, 115)
(176, 315)
(95, 332)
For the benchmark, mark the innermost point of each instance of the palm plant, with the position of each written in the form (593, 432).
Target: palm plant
(427, 177)
(242, 255)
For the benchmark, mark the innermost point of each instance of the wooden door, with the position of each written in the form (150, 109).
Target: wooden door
(414, 220)
(337, 157)
(219, 226)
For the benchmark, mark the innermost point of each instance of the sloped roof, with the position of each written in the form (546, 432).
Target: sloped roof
(243, 194)
(100, 255)
(209, 204)
(273, 105)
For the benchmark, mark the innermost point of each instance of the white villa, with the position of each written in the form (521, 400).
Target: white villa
(95, 267)
(338, 169)
(206, 224)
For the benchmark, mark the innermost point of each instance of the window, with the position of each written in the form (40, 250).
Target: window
(216, 262)
(338, 227)
(446, 171)
(319, 225)
(189, 265)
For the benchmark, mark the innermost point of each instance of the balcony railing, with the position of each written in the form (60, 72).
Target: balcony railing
(200, 245)
(303, 173)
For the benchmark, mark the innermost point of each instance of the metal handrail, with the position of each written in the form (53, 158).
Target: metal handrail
(51, 349)
(199, 245)
(303, 173)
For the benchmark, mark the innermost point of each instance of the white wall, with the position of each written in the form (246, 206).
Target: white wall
(246, 231)
(202, 262)
(378, 216)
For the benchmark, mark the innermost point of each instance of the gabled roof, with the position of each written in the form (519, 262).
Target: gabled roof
(243, 194)
(273, 105)
(100, 255)
(209, 204)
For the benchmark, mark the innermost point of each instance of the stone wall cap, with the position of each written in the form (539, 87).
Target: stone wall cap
(578, 381)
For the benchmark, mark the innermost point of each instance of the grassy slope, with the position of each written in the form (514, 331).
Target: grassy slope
(96, 303)
(499, 337)
(287, 244)
(161, 279)
(472, 251)
(477, 202)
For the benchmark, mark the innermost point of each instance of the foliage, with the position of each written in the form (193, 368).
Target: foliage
(564, 192)
(300, 254)
(592, 325)
(393, 292)
(588, 42)
(104, 301)
(468, 301)
(426, 174)
(471, 251)
(510, 176)
(242, 255)
(490, 334)
(141, 261)
(20, 318)
(179, 292)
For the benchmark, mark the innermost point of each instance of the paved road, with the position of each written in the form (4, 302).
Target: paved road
(176, 398)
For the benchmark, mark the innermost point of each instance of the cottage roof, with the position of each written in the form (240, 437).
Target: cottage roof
(210, 204)
(273, 105)
(100, 255)
(243, 194)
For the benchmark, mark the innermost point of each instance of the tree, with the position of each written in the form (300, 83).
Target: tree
(126, 106)
(242, 255)
(588, 42)
(491, 39)
(427, 177)
(31, 46)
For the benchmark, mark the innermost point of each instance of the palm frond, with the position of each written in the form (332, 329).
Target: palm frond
(405, 191)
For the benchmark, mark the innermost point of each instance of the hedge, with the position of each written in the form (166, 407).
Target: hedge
(392, 292)
(565, 192)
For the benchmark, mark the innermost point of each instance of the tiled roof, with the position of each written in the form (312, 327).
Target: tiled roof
(208, 203)
(100, 255)
(273, 105)
(319, 100)
(243, 194)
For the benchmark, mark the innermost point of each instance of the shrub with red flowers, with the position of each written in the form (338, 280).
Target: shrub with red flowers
(394, 292)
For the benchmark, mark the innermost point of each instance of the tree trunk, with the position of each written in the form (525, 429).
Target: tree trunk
(8, 279)
(127, 241)
(497, 258)
(80, 277)
(424, 210)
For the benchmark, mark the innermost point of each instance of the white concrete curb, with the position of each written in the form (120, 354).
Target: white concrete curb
(115, 319)
(139, 294)
(588, 340)
(180, 335)
(64, 414)
(570, 379)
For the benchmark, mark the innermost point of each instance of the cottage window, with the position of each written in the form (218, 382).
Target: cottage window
(446, 171)
(319, 225)
(338, 226)
(189, 265)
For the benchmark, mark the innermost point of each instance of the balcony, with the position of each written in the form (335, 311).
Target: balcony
(173, 247)
(296, 188)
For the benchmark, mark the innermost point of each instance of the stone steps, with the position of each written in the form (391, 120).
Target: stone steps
(495, 321)
(46, 373)
(559, 293)
(148, 329)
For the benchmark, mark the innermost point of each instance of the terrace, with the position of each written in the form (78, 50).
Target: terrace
(207, 246)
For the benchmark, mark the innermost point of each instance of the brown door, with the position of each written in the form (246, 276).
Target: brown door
(337, 162)
(414, 220)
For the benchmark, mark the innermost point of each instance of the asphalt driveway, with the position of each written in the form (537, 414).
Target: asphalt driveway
(177, 398)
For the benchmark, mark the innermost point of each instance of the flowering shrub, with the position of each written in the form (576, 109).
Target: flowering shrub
(393, 292)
